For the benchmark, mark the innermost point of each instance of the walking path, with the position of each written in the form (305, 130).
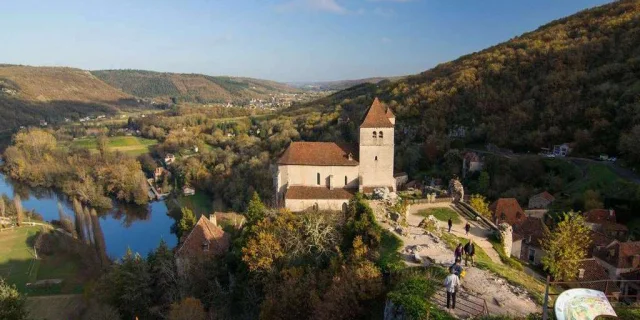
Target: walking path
(501, 297)
(478, 234)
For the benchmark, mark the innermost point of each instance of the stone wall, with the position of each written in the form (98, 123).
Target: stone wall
(376, 158)
(297, 205)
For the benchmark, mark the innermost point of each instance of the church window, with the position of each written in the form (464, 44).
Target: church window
(318, 178)
(375, 135)
(380, 134)
(345, 180)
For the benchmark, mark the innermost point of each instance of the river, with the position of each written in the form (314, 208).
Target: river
(140, 228)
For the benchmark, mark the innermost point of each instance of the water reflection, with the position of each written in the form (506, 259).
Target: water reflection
(112, 231)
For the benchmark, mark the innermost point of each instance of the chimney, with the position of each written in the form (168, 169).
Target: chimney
(350, 156)
(580, 273)
(612, 215)
(213, 219)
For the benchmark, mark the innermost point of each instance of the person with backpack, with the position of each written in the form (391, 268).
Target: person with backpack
(470, 252)
(451, 284)
(450, 222)
(458, 252)
(467, 227)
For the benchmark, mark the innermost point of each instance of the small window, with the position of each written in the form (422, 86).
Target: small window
(318, 178)
(376, 158)
(375, 135)
(380, 134)
(345, 180)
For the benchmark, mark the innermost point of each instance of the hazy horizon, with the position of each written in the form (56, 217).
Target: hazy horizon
(280, 40)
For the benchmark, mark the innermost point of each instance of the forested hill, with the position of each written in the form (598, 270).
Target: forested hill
(191, 87)
(576, 79)
(30, 94)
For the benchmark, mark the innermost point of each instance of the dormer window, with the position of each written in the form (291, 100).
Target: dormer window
(380, 134)
(205, 246)
(375, 135)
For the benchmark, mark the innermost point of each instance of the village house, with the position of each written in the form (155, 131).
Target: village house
(159, 173)
(619, 257)
(188, 190)
(630, 288)
(325, 175)
(527, 237)
(604, 221)
(541, 200)
(507, 210)
(169, 159)
(591, 275)
(561, 150)
(205, 240)
(471, 162)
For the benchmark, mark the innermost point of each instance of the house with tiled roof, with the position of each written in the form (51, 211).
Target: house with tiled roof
(630, 287)
(604, 221)
(205, 240)
(541, 200)
(326, 175)
(619, 257)
(507, 210)
(527, 240)
(591, 275)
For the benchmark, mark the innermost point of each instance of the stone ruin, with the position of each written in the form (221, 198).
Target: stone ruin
(456, 190)
(506, 237)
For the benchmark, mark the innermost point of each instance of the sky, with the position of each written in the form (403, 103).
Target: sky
(283, 40)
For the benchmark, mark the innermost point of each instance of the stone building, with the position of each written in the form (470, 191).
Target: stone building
(325, 175)
(541, 200)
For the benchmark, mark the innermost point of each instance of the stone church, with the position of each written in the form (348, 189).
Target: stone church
(325, 175)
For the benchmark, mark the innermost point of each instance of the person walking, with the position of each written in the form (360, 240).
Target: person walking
(467, 227)
(451, 284)
(457, 269)
(450, 222)
(470, 252)
(458, 252)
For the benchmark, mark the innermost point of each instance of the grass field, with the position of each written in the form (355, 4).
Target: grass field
(19, 266)
(127, 144)
(55, 307)
(200, 203)
(598, 176)
(442, 214)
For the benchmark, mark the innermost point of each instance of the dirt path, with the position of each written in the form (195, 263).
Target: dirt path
(501, 297)
(478, 234)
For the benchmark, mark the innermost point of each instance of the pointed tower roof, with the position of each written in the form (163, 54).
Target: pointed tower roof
(390, 113)
(376, 116)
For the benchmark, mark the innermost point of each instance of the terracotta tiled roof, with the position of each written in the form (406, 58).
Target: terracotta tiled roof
(530, 228)
(203, 233)
(319, 154)
(389, 113)
(507, 210)
(471, 156)
(300, 192)
(376, 117)
(623, 253)
(593, 271)
(598, 240)
(611, 226)
(600, 215)
(546, 195)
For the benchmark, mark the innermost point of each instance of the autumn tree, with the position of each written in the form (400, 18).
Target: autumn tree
(17, 204)
(12, 303)
(187, 221)
(479, 204)
(187, 309)
(565, 246)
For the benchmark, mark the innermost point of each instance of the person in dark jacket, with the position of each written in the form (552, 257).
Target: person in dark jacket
(450, 224)
(458, 252)
(470, 252)
(467, 227)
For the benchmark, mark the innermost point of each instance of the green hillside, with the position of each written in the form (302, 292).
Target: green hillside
(576, 79)
(190, 87)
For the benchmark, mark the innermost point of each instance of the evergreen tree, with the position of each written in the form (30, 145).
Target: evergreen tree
(483, 181)
(187, 222)
(256, 209)
(165, 282)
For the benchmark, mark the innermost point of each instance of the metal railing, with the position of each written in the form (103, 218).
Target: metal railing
(465, 303)
(611, 289)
